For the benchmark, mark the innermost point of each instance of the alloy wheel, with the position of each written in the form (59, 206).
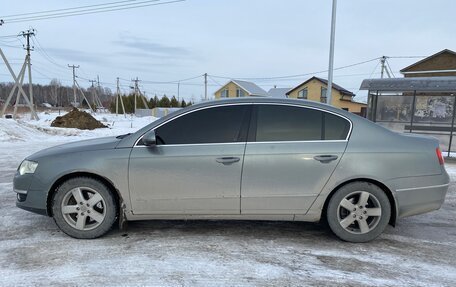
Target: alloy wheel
(83, 208)
(359, 212)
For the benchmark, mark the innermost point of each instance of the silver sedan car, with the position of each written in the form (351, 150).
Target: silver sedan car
(246, 159)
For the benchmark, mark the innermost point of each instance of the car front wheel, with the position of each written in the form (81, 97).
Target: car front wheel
(84, 208)
(358, 212)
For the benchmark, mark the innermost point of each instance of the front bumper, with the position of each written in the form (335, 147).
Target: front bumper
(27, 197)
(417, 195)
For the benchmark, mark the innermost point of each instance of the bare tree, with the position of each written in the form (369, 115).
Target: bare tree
(55, 85)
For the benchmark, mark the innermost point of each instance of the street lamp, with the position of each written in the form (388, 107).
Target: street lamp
(331, 53)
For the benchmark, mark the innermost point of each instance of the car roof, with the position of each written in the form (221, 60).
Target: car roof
(267, 100)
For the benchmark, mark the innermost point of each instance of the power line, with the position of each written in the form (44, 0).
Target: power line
(215, 81)
(84, 73)
(298, 75)
(406, 57)
(49, 69)
(12, 46)
(373, 71)
(182, 84)
(47, 76)
(90, 11)
(43, 52)
(79, 11)
(85, 79)
(10, 40)
(391, 70)
(65, 9)
(8, 36)
(172, 82)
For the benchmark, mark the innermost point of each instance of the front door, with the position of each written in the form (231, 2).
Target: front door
(195, 168)
(290, 156)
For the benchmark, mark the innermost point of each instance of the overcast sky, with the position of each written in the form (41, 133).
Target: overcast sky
(234, 39)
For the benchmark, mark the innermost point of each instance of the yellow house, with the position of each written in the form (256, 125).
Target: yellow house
(237, 88)
(314, 89)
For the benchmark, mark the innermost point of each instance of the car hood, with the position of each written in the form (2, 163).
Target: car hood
(78, 146)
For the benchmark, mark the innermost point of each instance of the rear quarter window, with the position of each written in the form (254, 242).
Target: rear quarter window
(336, 128)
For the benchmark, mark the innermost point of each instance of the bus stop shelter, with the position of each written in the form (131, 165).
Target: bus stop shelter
(421, 105)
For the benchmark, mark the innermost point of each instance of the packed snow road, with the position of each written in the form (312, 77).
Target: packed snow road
(420, 251)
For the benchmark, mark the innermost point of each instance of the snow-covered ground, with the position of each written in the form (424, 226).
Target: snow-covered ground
(420, 251)
(26, 129)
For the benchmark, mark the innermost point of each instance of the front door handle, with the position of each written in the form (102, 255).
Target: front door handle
(326, 158)
(227, 160)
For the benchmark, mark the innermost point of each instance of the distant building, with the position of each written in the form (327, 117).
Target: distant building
(237, 88)
(440, 64)
(278, 92)
(314, 89)
(155, 112)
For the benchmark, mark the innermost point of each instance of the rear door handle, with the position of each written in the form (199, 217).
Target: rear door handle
(227, 160)
(326, 158)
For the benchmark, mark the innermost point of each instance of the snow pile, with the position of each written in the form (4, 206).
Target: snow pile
(77, 119)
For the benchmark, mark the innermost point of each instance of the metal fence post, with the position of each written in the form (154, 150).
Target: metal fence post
(413, 110)
(375, 106)
(452, 125)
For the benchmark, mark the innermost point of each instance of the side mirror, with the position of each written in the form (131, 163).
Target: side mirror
(149, 139)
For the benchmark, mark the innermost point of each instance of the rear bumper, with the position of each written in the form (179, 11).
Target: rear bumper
(419, 195)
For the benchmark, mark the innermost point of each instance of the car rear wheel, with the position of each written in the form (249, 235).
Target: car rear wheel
(84, 208)
(358, 212)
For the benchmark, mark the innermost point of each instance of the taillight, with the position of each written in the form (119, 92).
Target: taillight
(439, 156)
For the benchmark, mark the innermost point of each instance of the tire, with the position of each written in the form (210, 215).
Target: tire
(358, 212)
(84, 208)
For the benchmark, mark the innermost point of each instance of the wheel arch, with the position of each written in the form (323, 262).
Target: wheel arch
(68, 176)
(382, 186)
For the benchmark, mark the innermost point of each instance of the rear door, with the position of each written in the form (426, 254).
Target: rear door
(195, 168)
(290, 155)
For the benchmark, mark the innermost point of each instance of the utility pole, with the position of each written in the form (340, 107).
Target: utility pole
(26, 35)
(76, 86)
(178, 91)
(99, 93)
(385, 67)
(94, 93)
(74, 82)
(18, 80)
(136, 88)
(331, 52)
(382, 62)
(205, 86)
(119, 95)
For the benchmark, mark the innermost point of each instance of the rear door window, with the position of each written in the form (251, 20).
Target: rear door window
(291, 123)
